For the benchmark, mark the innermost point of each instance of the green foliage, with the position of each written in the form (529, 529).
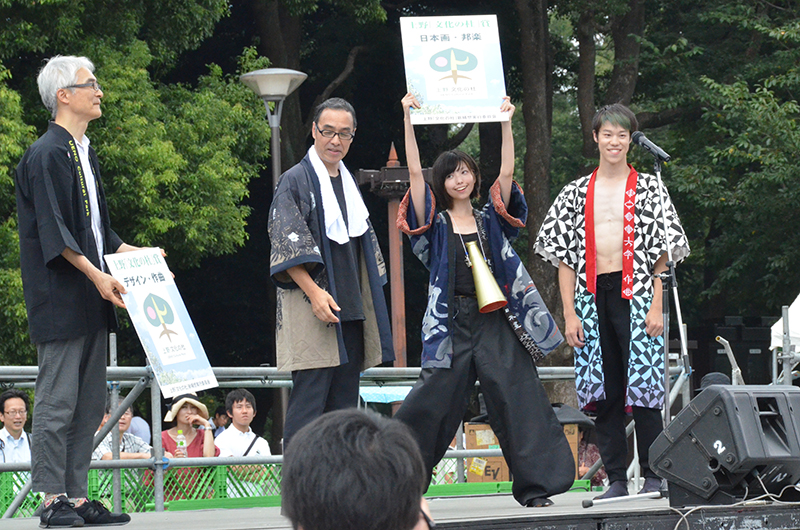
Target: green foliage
(170, 27)
(363, 10)
(15, 347)
(747, 188)
(158, 21)
(566, 159)
(177, 161)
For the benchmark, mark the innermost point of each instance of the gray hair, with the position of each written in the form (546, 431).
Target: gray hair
(59, 72)
(335, 104)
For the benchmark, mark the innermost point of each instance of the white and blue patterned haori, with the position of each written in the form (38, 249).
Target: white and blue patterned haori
(562, 237)
(430, 243)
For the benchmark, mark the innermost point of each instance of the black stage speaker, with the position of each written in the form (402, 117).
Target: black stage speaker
(729, 441)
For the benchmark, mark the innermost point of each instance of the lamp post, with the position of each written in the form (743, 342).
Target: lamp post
(274, 84)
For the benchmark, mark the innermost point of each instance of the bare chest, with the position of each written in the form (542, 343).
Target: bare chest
(609, 205)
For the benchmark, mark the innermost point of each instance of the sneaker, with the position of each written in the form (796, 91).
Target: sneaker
(617, 488)
(60, 514)
(651, 485)
(95, 514)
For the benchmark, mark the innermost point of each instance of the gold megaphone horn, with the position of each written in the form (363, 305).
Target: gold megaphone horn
(490, 297)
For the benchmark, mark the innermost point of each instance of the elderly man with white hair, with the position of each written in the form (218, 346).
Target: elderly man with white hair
(64, 231)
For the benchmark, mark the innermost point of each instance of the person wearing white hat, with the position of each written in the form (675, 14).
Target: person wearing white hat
(191, 418)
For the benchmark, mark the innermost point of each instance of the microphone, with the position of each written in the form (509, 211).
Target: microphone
(641, 140)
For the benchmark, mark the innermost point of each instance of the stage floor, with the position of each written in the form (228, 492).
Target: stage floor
(496, 511)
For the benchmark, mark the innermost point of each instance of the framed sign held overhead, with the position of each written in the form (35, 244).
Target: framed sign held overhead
(454, 67)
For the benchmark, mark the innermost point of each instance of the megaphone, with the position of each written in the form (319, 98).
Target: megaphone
(490, 297)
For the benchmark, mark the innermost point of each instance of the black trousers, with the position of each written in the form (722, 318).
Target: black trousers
(532, 440)
(322, 390)
(614, 322)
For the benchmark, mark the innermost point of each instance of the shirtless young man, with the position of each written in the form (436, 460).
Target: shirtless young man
(604, 234)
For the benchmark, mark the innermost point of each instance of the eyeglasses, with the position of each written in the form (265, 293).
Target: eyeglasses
(428, 520)
(15, 412)
(327, 133)
(94, 85)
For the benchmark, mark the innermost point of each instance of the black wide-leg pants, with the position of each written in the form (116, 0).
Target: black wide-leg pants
(614, 322)
(520, 414)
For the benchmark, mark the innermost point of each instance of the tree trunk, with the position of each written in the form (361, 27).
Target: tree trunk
(587, 54)
(626, 31)
(537, 108)
(537, 112)
(280, 36)
(491, 140)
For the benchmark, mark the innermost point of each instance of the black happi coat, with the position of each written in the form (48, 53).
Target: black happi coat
(53, 213)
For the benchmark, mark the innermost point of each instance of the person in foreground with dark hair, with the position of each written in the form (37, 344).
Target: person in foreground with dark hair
(332, 321)
(355, 470)
(604, 233)
(460, 341)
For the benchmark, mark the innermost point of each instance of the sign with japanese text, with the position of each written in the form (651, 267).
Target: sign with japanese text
(454, 68)
(160, 318)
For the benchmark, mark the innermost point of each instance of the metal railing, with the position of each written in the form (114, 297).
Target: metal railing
(166, 477)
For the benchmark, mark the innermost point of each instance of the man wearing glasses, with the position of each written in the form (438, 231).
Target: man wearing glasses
(131, 447)
(332, 321)
(15, 444)
(64, 231)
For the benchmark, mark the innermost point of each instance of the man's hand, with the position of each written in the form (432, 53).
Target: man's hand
(109, 287)
(573, 331)
(654, 321)
(323, 305)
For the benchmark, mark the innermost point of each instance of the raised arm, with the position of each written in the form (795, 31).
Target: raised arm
(506, 175)
(417, 182)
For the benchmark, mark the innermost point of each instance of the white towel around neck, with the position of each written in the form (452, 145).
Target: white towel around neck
(357, 213)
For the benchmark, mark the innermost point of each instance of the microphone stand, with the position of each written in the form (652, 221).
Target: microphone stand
(669, 282)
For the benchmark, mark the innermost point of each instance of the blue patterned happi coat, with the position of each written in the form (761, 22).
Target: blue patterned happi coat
(433, 244)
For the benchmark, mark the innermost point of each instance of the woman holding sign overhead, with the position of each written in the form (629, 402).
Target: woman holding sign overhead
(484, 320)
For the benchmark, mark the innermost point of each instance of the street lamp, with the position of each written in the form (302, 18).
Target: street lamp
(274, 84)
